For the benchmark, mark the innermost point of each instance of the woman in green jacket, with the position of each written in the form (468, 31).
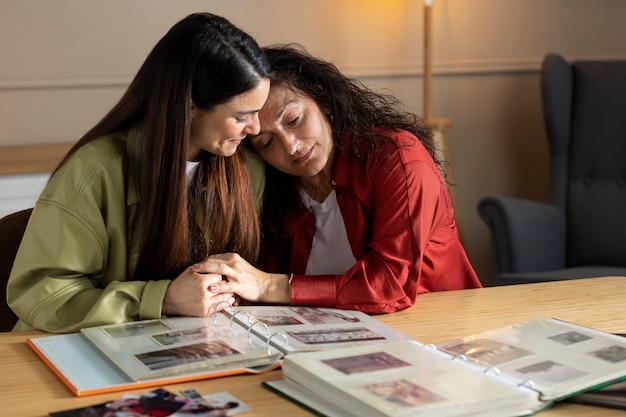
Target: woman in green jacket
(156, 186)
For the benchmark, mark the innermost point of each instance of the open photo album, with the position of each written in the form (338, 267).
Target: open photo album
(512, 371)
(247, 339)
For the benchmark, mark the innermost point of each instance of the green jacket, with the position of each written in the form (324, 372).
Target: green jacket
(81, 244)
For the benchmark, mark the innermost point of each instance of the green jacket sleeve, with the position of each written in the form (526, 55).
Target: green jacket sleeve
(72, 267)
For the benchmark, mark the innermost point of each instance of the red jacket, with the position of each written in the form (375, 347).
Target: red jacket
(400, 225)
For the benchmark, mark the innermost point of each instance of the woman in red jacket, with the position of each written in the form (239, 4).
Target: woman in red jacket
(356, 213)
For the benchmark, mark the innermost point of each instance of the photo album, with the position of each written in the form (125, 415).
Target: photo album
(612, 396)
(245, 339)
(511, 371)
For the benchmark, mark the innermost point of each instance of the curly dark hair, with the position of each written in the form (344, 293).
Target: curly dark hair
(355, 111)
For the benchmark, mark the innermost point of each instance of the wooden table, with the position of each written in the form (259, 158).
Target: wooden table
(28, 388)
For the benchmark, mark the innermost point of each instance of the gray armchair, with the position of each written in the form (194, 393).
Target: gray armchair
(582, 232)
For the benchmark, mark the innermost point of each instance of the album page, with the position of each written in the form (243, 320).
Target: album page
(173, 346)
(399, 379)
(554, 357)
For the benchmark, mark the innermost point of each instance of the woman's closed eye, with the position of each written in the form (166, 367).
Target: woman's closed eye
(262, 142)
(267, 143)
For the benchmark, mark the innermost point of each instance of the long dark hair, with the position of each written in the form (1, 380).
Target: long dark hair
(356, 113)
(205, 60)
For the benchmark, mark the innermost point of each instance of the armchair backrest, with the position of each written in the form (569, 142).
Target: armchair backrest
(585, 118)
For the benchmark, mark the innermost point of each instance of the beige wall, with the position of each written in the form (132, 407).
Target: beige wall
(63, 63)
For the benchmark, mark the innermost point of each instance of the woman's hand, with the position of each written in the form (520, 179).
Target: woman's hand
(189, 295)
(244, 279)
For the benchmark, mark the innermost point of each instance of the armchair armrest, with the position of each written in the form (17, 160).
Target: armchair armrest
(526, 236)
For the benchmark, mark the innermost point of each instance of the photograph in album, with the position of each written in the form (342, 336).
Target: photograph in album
(189, 354)
(376, 361)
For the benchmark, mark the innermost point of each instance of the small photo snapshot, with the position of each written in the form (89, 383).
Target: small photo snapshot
(488, 351)
(550, 371)
(569, 338)
(321, 316)
(341, 335)
(183, 355)
(182, 336)
(613, 354)
(160, 403)
(225, 402)
(136, 329)
(402, 393)
(276, 319)
(371, 362)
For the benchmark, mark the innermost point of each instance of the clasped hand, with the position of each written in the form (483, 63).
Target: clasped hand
(189, 295)
(244, 279)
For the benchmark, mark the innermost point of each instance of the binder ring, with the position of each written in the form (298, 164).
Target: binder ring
(460, 356)
(528, 383)
(431, 346)
(252, 325)
(494, 369)
(216, 307)
(232, 318)
(269, 339)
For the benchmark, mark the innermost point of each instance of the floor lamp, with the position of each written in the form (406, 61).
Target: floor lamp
(441, 125)
(428, 61)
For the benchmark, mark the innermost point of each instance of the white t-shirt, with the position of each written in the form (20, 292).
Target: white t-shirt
(191, 169)
(331, 253)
